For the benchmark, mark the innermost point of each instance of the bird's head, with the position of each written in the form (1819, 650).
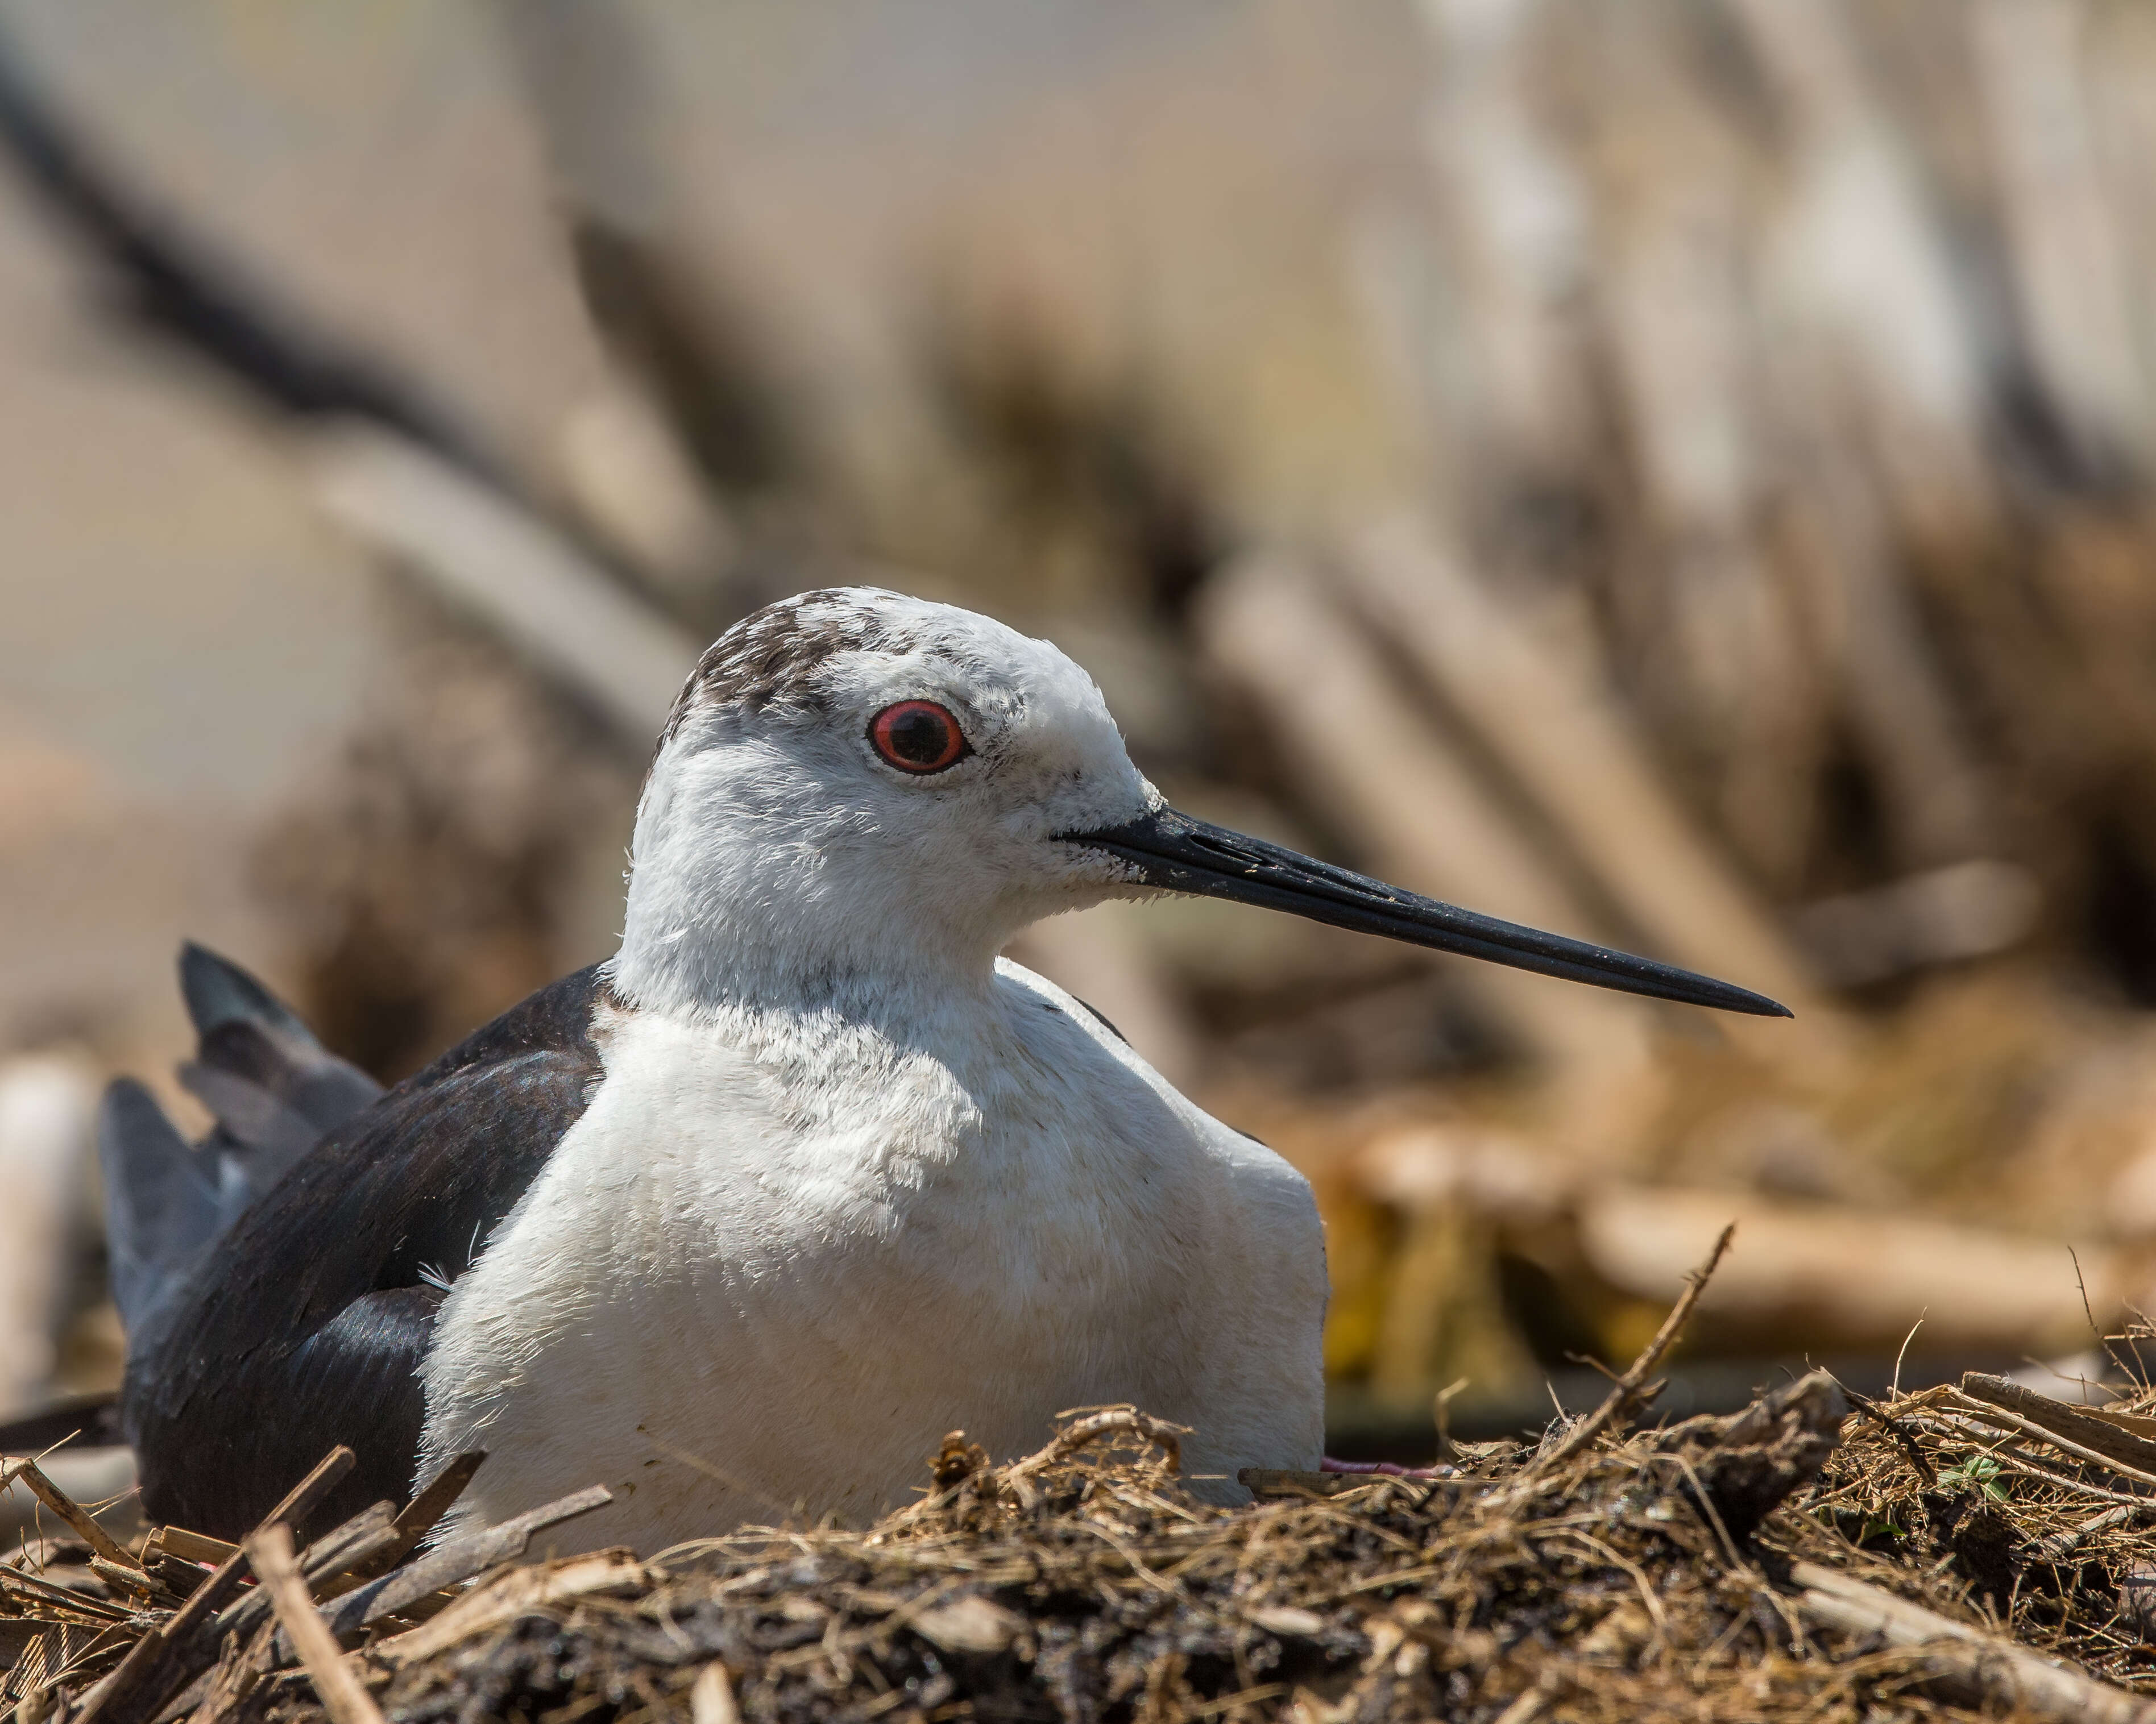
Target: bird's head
(856, 787)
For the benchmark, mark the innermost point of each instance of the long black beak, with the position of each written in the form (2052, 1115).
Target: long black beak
(1178, 853)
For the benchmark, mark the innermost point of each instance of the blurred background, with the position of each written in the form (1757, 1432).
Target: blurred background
(1671, 471)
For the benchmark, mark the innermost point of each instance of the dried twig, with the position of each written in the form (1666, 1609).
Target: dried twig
(28, 1472)
(1903, 1440)
(515, 1592)
(2133, 1454)
(240, 1667)
(327, 1560)
(1631, 1385)
(1093, 1425)
(167, 1658)
(1981, 1665)
(1999, 1417)
(344, 1695)
(417, 1519)
(460, 1559)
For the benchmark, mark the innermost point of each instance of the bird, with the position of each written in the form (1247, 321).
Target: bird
(740, 1220)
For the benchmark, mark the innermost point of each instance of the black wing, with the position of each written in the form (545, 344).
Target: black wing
(305, 1326)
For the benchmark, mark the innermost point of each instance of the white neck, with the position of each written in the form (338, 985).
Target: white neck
(696, 942)
(828, 918)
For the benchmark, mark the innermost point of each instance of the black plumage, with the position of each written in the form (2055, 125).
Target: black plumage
(274, 1091)
(306, 1323)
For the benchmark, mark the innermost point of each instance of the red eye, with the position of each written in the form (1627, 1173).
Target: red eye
(918, 737)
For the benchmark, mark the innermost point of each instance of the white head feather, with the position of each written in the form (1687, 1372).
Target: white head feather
(776, 857)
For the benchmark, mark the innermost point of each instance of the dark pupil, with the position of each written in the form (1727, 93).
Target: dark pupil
(920, 737)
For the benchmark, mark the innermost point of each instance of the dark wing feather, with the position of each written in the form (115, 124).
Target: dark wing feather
(162, 1205)
(305, 1326)
(275, 1090)
(217, 992)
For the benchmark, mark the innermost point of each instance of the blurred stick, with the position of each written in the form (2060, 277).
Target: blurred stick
(1877, 380)
(1567, 746)
(679, 331)
(1700, 614)
(1376, 770)
(389, 466)
(175, 284)
(1509, 211)
(2067, 256)
(524, 584)
(1934, 797)
(1849, 1277)
(1860, 257)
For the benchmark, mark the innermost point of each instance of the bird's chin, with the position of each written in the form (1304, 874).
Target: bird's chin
(1085, 876)
(1088, 891)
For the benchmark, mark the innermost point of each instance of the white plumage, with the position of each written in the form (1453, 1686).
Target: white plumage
(802, 1264)
(848, 1180)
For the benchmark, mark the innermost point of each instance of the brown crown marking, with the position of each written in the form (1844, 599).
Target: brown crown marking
(771, 656)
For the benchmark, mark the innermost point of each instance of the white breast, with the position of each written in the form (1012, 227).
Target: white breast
(772, 1264)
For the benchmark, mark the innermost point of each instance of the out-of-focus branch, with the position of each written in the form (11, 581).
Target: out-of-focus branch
(674, 327)
(1568, 746)
(500, 567)
(387, 463)
(176, 284)
(1421, 816)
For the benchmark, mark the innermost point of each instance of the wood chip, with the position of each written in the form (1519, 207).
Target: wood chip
(972, 1624)
(711, 1699)
(1287, 1620)
(193, 1547)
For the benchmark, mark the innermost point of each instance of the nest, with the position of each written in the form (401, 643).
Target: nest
(1975, 1550)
